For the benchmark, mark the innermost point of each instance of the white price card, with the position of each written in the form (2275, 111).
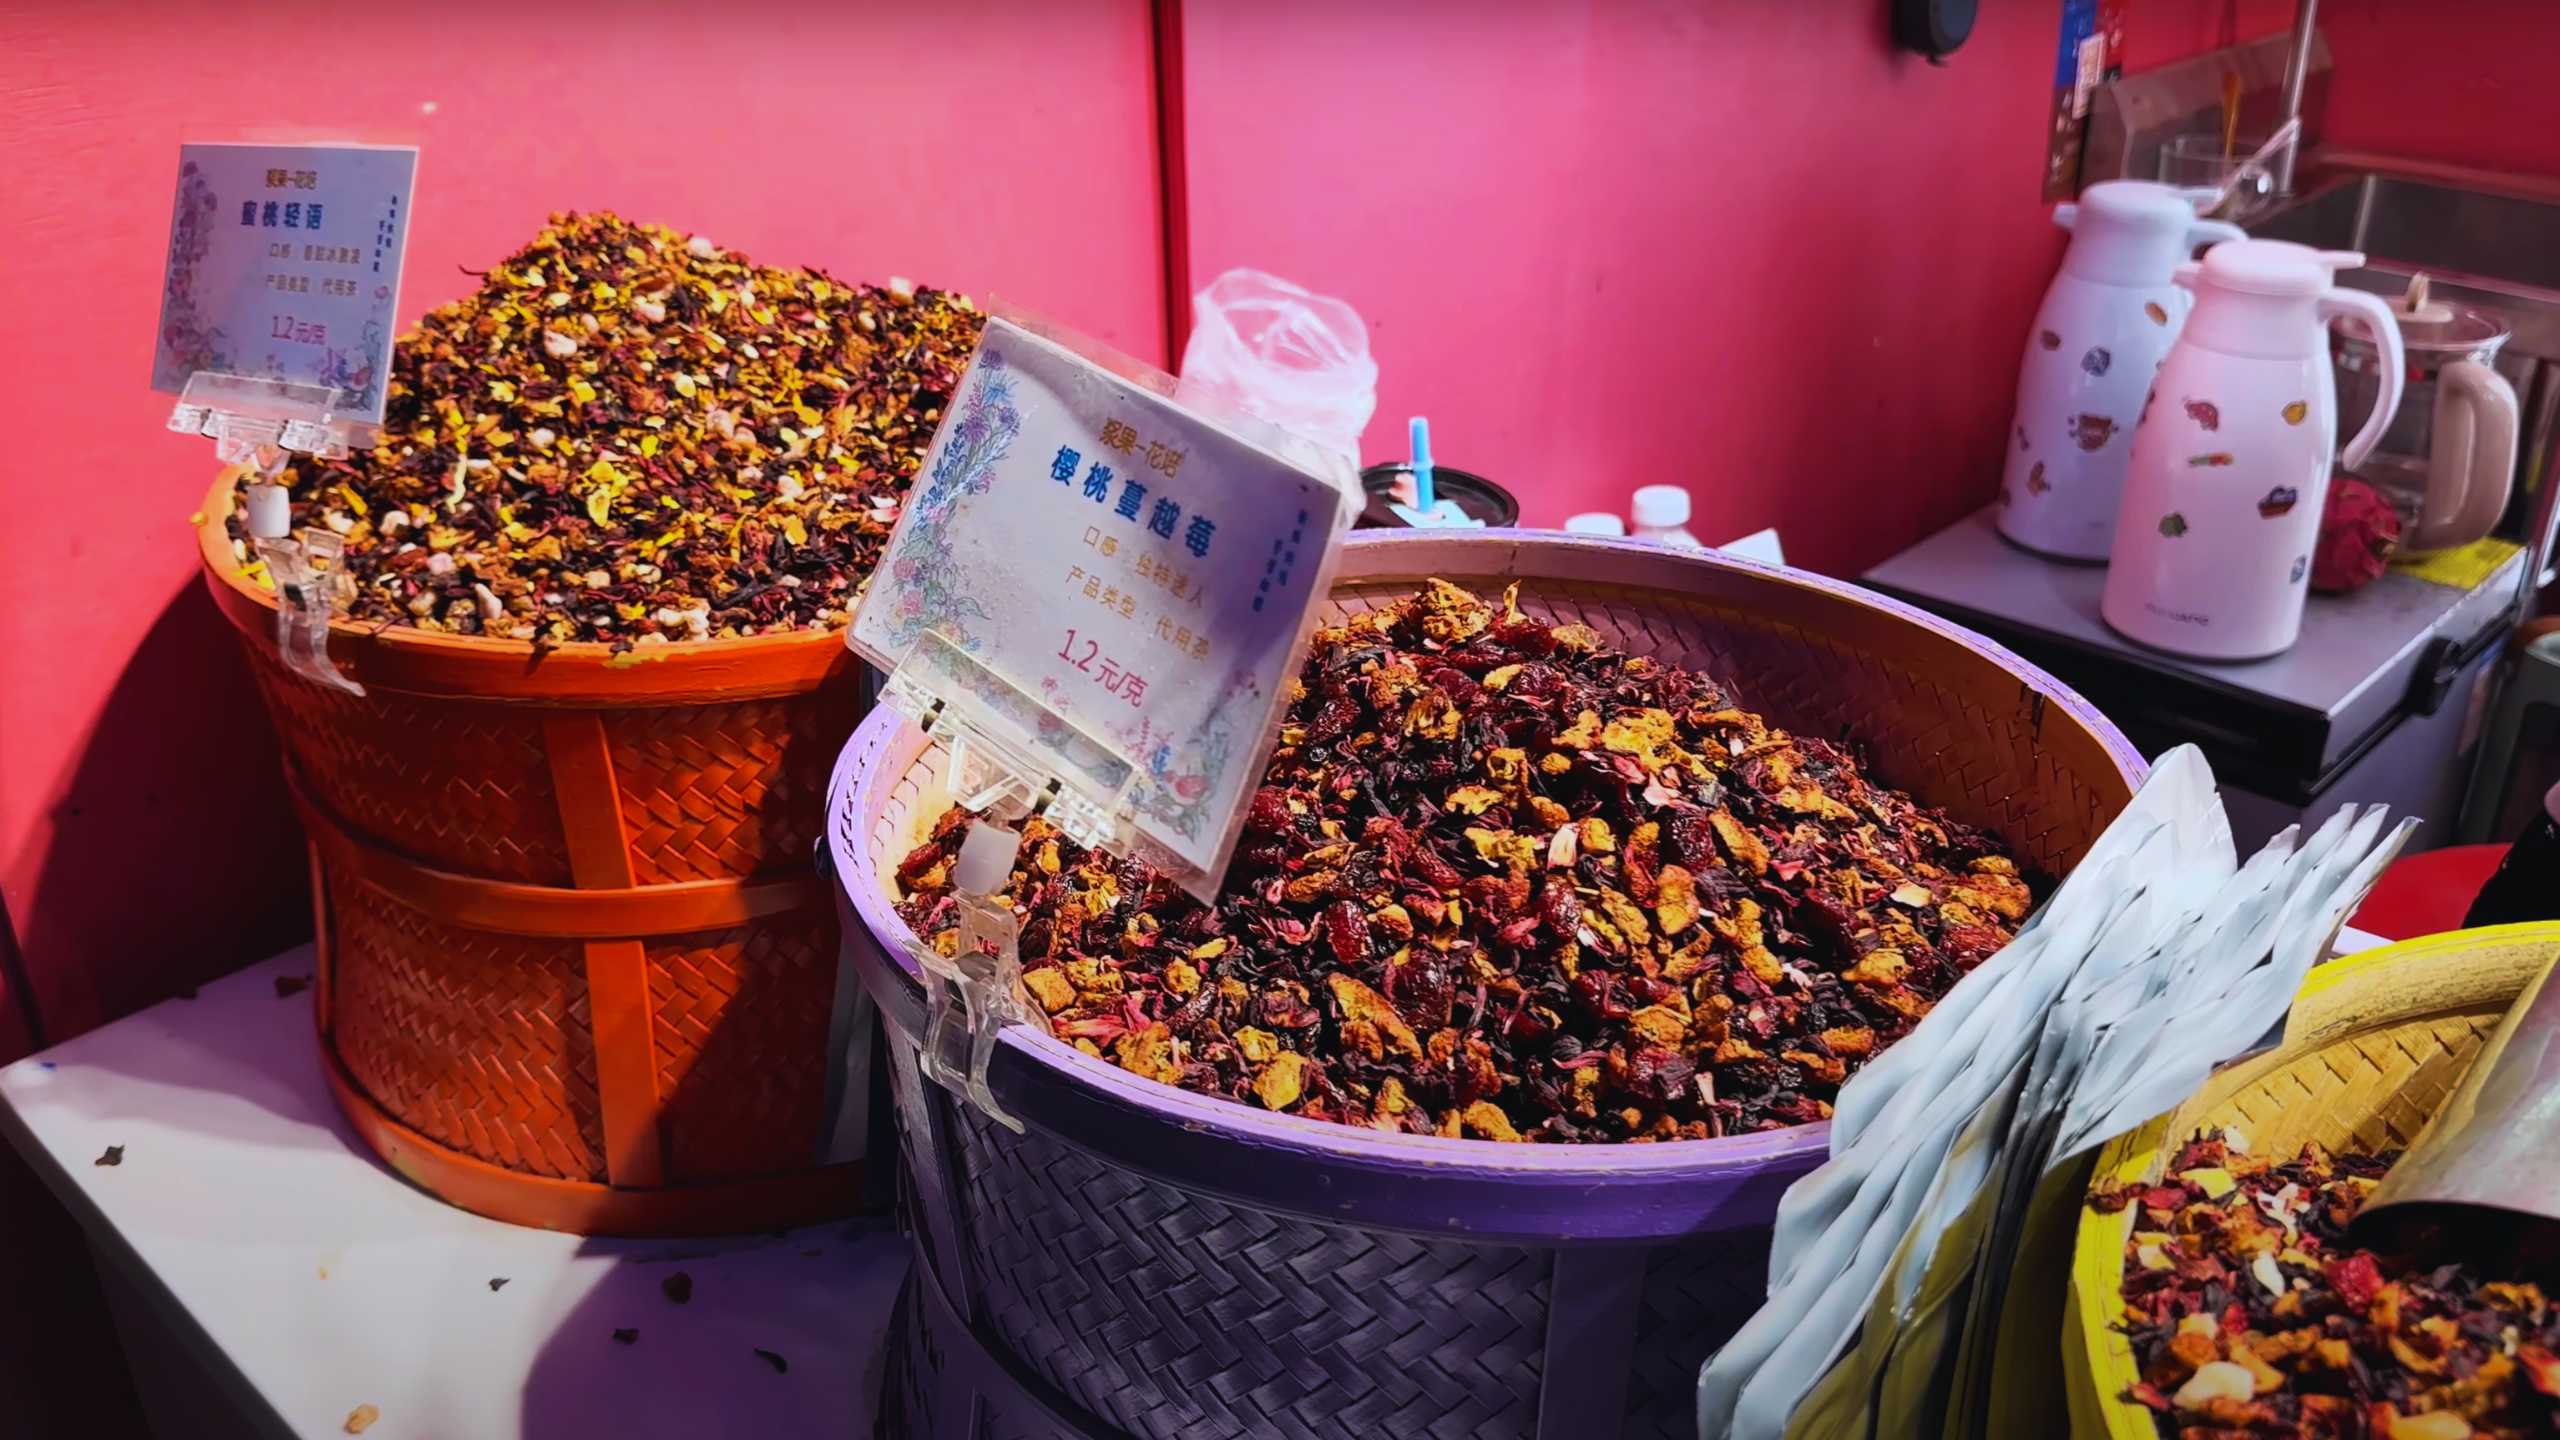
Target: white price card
(1110, 586)
(284, 265)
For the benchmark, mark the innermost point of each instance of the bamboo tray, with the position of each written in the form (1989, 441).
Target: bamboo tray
(2375, 1043)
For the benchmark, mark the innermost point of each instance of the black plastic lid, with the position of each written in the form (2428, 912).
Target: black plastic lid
(1476, 497)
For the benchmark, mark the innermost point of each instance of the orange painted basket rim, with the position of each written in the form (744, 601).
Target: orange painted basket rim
(586, 672)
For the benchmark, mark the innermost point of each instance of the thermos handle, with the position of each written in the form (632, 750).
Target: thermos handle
(2376, 314)
(2472, 461)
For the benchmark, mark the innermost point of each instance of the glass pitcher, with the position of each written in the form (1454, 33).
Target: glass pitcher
(2447, 460)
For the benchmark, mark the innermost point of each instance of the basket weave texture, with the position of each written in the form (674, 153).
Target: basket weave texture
(1143, 1261)
(575, 970)
(2375, 1043)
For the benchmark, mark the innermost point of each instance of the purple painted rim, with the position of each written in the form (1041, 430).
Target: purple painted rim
(1341, 1173)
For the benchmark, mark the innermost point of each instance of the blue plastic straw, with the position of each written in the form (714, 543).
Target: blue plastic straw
(1421, 432)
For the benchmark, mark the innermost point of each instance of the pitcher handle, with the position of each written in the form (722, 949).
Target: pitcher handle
(2376, 314)
(2474, 449)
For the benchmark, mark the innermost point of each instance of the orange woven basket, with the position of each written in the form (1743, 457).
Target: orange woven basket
(577, 969)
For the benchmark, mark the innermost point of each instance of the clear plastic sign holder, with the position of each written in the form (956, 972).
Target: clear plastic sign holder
(258, 425)
(1011, 754)
(276, 311)
(972, 994)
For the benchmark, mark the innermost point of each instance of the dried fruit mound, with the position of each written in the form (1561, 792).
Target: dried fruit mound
(1502, 881)
(2251, 1315)
(631, 436)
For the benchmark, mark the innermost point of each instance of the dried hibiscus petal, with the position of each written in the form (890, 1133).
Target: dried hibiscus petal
(1500, 880)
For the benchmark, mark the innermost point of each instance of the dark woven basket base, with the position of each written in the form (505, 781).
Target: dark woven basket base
(1109, 1304)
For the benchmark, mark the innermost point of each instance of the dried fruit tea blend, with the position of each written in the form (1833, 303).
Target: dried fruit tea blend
(2252, 1315)
(633, 436)
(1503, 881)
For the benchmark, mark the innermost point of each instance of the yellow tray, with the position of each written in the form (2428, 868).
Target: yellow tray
(2375, 1043)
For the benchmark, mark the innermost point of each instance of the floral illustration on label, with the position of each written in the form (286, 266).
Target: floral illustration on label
(2216, 460)
(2007, 497)
(930, 592)
(2036, 483)
(2049, 340)
(2092, 431)
(2301, 564)
(356, 370)
(2152, 308)
(2147, 397)
(2295, 411)
(2022, 437)
(2173, 524)
(2097, 360)
(188, 343)
(2279, 501)
(1181, 784)
(2205, 414)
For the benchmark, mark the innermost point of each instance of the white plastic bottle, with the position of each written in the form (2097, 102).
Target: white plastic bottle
(1661, 513)
(1594, 522)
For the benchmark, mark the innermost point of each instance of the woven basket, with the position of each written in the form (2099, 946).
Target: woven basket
(2375, 1043)
(1146, 1261)
(575, 968)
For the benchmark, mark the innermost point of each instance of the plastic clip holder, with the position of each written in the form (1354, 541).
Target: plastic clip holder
(310, 590)
(972, 994)
(256, 422)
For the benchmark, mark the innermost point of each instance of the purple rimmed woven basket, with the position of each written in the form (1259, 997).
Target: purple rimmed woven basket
(1148, 1262)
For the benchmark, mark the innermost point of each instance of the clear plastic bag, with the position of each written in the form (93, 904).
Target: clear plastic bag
(1283, 354)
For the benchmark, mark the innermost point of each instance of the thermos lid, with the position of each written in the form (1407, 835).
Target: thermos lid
(2131, 232)
(2275, 267)
(2139, 202)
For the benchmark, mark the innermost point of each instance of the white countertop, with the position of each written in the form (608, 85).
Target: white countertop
(309, 1280)
(245, 1207)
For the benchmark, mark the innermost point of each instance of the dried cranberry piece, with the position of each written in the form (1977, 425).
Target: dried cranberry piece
(1422, 989)
(1346, 932)
(1458, 685)
(1560, 907)
(1827, 923)
(1269, 814)
(1287, 1012)
(1597, 990)
(1525, 637)
(1659, 1074)
(1334, 720)
(2356, 1279)
(1692, 838)
(919, 860)
(1434, 871)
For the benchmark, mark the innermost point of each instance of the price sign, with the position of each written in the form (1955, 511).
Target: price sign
(1110, 587)
(284, 265)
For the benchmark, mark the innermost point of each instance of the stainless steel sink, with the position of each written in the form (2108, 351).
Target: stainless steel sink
(2430, 226)
(2484, 243)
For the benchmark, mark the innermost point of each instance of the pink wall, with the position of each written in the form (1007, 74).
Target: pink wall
(1747, 247)
(998, 146)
